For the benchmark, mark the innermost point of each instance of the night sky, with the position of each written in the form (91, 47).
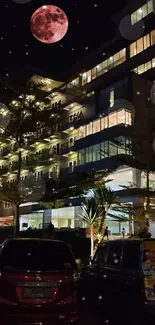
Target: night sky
(90, 24)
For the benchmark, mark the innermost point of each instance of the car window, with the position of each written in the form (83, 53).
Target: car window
(35, 255)
(131, 255)
(115, 254)
(101, 254)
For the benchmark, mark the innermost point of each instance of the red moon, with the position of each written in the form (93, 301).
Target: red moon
(49, 24)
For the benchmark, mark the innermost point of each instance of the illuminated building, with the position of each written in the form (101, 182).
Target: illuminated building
(96, 105)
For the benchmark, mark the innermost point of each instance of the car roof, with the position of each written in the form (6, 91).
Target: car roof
(130, 240)
(33, 239)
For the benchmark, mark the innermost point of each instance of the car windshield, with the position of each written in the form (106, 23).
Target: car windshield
(35, 255)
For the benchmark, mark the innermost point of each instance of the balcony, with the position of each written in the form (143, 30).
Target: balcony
(67, 148)
(4, 170)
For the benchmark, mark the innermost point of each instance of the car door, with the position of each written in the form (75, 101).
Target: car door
(92, 274)
(111, 273)
(130, 279)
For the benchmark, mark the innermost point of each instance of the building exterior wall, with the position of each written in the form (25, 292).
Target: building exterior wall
(96, 105)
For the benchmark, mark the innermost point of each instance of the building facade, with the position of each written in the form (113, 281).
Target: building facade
(99, 103)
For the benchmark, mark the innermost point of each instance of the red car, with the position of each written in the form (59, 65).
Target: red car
(37, 283)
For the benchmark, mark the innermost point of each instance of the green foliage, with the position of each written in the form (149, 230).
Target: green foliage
(90, 213)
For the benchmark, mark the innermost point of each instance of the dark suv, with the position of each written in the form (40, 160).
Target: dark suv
(115, 280)
(37, 282)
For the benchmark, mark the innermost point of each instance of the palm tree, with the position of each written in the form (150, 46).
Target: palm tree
(105, 198)
(91, 215)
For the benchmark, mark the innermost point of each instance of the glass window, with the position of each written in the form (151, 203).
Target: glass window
(96, 126)
(153, 63)
(112, 119)
(140, 46)
(74, 83)
(102, 123)
(122, 54)
(116, 59)
(86, 77)
(101, 255)
(150, 6)
(105, 149)
(144, 10)
(96, 152)
(148, 65)
(134, 18)
(106, 122)
(88, 154)
(105, 65)
(131, 256)
(110, 62)
(89, 128)
(82, 131)
(121, 145)
(141, 69)
(115, 254)
(146, 40)
(139, 14)
(112, 149)
(133, 50)
(128, 146)
(153, 37)
(81, 157)
(112, 95)
(99, 69)
(94, 73)
(30, 255)
(128, 117)
(121, 117)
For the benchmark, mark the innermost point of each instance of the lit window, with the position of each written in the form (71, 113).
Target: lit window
(99, 69)
(96, 126)
(148, 65)
(146, 41)
(133, 51)
(142, 12)
(94, 73)
(112, 98)
(82, 132)
(110, 62)
(121, 117)
(150, 6)
(128, 118)
(112, 119)
(74, 83)
(141, 69)
(89, 129)
(105, 64)
(153, 63)
(142, 44)
(145, 67)
(86, 77)
(153, 37)
(134, 18)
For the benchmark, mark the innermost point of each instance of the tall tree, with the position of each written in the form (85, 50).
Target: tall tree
(105, 198)
(21, 120)
(90, 214)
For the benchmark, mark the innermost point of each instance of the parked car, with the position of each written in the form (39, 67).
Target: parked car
(121, 278)
(37, 282)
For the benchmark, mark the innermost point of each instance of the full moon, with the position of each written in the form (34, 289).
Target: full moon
(49, 24)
